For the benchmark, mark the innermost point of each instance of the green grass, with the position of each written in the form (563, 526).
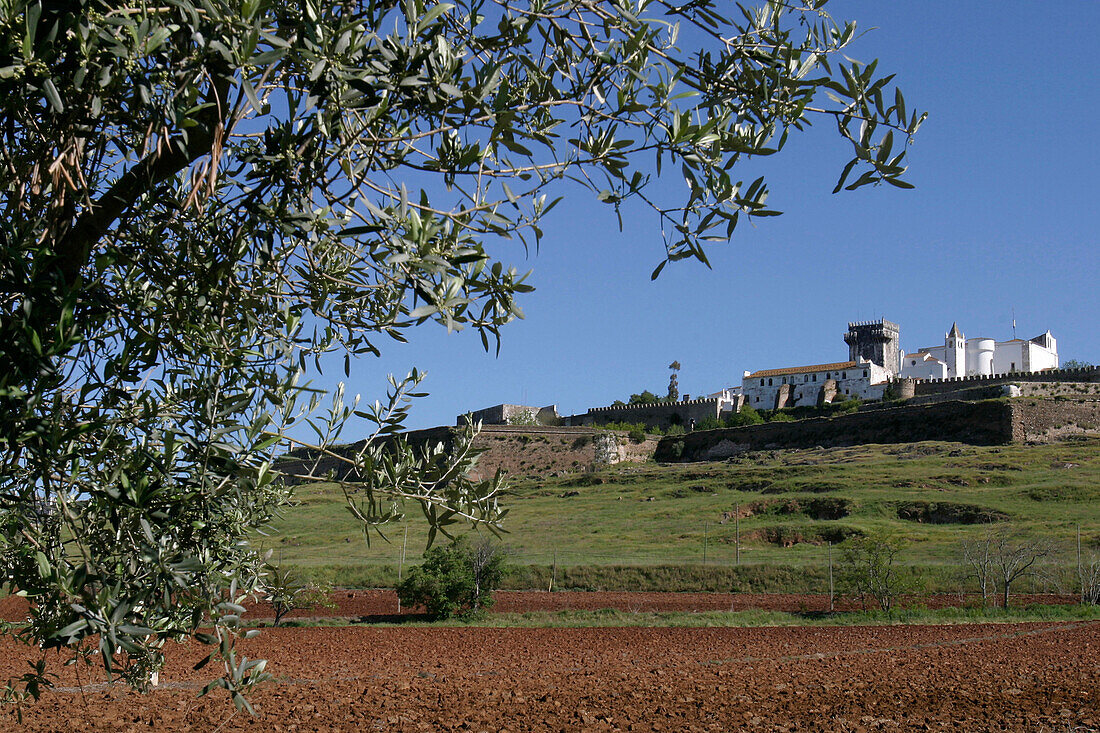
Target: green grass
(643, 525)
(739, 619)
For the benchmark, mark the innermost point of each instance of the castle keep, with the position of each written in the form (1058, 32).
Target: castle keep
(878, 342)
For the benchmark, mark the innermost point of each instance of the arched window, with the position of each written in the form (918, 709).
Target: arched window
(761, 382)
(865, 372)
(844, 375)
(769, 382)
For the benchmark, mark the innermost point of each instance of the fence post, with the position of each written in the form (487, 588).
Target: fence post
(831, 596)
(1080, 570)
(401, 564)
(737, 533)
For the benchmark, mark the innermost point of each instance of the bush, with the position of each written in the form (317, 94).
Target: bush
(458, 579)
(284, 591)
(708, 423)
(523, 417)
(746, 416)
(637, 435)
(869, 571)
(675, 430)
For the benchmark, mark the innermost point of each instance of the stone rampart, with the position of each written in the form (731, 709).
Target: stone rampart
(981, 423)
(991, 422)
(1043, 420)
(954, 384)
(517, 450)
(661, 415)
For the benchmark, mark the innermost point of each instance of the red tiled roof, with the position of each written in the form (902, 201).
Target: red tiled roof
(805, 369)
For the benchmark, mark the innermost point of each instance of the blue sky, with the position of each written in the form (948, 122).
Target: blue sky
(1003, 219)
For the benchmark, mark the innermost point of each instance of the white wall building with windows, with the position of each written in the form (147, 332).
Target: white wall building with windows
(964, 357)
(863, 379)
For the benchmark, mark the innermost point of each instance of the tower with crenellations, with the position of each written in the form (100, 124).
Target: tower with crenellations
(875, 341)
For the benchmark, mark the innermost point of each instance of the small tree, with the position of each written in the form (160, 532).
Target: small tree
(1089, 576)
(456, 579)
(644, 398)
(284, 591)
(979, 565)
(747, 415)
(1013, 556)
(673, 383)
(869, 570)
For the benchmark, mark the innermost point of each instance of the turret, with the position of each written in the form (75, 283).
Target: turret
(955, 352)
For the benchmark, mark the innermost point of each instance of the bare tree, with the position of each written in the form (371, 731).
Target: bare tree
(486, 560)
(1089, 576)
(979, 565)
(1013, 555)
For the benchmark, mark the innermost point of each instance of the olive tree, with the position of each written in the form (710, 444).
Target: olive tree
(206, 200)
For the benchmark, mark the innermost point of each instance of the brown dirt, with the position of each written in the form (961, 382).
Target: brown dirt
(1034, 677)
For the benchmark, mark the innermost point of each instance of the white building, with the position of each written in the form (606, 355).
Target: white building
(768, 389)
(963, 357)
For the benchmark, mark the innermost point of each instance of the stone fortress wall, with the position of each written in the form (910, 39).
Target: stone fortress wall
(955, 384)
(661, 415)
(989, 422)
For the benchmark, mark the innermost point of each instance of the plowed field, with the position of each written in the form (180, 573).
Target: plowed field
(1035, 677)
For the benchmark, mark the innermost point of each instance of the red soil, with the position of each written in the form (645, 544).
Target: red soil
(1035, 677)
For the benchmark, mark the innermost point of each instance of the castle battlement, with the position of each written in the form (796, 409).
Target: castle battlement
(651, 405)
(1047, 375)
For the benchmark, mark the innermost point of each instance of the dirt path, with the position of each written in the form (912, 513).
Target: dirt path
(977, 677)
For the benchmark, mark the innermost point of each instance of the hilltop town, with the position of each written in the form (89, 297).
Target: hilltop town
(877, 372)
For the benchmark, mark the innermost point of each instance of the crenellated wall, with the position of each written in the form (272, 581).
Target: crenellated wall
(952, 384)
(661, 415)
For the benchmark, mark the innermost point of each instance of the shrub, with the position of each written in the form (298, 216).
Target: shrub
(523, 417)
(458, 579)
(869, 569)
(675, 430)
(284, 591)
(708, 423)
(747, 416)
(637, 435)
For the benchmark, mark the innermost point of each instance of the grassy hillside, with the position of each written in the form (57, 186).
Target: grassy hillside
(649, 524)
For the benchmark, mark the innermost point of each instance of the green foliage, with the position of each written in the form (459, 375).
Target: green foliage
(523, 417)
(285, 591)
(646, 398)
(745, 416)
(708, 423)
(675, 429)
(637, 435)
(204, 200)
(629, 427)
(1076, 364)
(673, 384)
(869, 569)
(456, 579)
